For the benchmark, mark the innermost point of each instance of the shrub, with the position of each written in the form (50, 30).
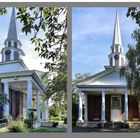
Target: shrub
(16, 126)
(55, 118)
(30, 119)
(65, 120)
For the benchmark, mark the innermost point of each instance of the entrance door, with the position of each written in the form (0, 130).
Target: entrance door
(115, 108)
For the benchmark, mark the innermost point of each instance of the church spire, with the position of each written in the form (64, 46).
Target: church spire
(117, 33)
(116, 57)
(12, 32)
(12, 49)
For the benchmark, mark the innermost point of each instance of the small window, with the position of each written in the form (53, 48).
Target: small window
(16, 55)
(9, 44)
(116, 48)
(7, 54)
(15, 44)
(116, 102)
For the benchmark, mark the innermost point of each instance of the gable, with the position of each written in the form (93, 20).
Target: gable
(105, 78)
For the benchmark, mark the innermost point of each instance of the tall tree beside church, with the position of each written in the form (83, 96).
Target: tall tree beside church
(132, 70)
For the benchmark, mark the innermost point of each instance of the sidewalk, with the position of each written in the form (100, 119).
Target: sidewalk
(112, 130)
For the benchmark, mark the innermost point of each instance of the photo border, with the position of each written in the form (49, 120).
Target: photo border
(69, 133)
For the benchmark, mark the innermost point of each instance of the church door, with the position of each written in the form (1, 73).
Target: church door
(115, 108)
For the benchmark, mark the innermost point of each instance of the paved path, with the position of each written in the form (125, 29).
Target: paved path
(60, 128)
(89, 129)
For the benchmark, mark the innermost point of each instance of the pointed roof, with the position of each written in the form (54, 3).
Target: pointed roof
(12, 32)
(106, 78)
(117, 32)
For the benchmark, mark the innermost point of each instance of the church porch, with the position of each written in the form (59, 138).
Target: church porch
(24, 94)
(108, 107)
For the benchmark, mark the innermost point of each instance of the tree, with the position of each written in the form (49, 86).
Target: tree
(134, 12)
(132, 70)
(78, 77)
(56, 86)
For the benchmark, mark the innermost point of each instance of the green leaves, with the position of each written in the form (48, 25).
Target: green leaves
(48, 21)
(134, 12)
(3, 11)
(132, 70)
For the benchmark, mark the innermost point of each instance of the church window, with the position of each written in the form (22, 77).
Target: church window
(7, 54)
(111, 61)
(9, 44)
(16, 55)
(15, 44)
(116, 48)
(116, 57)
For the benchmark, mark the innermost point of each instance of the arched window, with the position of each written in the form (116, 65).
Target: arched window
(111, 63)
(15, 44)
(7, 54)
(116, 48)
(116, 57)
(16, 55)
(9, 44)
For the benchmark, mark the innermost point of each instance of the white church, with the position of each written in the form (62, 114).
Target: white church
(104, 96)
(23, 87)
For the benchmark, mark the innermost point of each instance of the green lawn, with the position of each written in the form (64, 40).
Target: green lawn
(5, 130)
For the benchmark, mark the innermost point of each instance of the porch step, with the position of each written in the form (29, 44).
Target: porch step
(49, 124)
(3, 125)
(134, 125)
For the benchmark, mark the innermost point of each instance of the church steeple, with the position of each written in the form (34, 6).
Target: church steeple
(117, 32)
(12, 50)
(116, 57)
(12, 32)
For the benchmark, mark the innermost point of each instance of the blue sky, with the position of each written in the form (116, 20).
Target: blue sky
(31, 58)
(92, 35)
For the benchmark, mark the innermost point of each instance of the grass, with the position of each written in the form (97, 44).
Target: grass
(34, 130)
(60, 121)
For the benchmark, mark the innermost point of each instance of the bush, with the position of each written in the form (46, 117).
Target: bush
(30, 119)
(65, 120)
(16, 126)
(55, 118)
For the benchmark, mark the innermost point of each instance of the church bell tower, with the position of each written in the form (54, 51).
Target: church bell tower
(116, 57)
(12, 49)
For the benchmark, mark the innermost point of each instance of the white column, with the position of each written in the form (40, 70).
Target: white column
(6, 92)
(80, 114)
(103, 107)
(45, 111)
(29, 94)
(24, 106)
(126, 108)
(86, 108)
(38, 107)
(12, 55)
